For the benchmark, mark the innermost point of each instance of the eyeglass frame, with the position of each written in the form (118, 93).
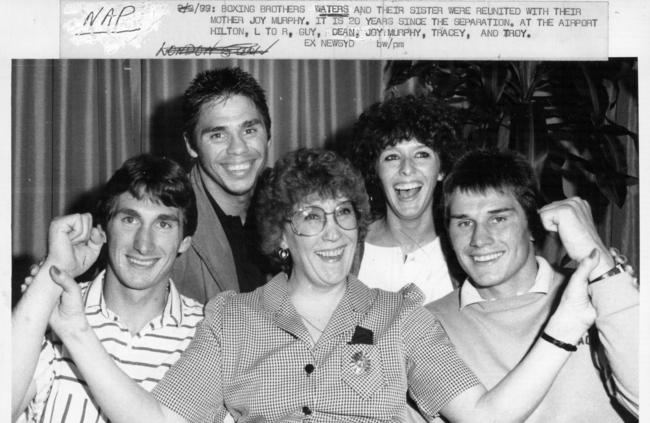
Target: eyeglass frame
(333, 212)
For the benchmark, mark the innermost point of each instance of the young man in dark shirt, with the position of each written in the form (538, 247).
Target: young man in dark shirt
(227, 133)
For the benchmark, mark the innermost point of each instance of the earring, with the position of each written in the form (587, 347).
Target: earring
(283, 253)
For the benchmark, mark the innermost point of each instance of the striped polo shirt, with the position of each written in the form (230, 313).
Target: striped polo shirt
(62, 396)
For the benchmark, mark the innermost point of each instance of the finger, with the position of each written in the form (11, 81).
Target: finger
(97, 237)
(67, 226)
(82, 229)
(63, 280)
(549, 219)
(28, 280)
(23, 288)
(585, 267)
(34, 268)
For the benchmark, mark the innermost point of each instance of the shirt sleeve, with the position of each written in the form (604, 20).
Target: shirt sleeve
(43, 379)
(435, 372)
(192, 387)
(616, 300)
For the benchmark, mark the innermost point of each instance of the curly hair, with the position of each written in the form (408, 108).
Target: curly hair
(478, 171)
(156, 178)
(297, 176)
(385, 124)
(221, 84)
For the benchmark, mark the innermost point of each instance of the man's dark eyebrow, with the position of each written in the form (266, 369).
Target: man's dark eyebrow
(212, 129)
(251, 122)
(245, 124)
(495, 211)
(134, 213)
(501, 210)
(128, 212)
(171, 217)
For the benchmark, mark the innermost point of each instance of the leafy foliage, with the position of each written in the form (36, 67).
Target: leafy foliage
(555, 113)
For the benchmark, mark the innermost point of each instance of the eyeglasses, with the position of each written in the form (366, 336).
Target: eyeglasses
(311, 220)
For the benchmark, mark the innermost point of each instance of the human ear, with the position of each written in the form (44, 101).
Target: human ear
(185, 244)
(188, 146)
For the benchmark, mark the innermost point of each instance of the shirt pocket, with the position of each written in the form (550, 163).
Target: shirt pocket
(362, 369)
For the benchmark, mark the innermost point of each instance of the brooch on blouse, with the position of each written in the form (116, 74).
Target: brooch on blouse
(360, 363)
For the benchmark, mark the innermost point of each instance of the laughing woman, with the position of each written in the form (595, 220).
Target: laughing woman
(404, 146)
(316, 344)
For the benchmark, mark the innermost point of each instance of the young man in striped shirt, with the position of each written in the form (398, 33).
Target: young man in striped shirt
(146, 216)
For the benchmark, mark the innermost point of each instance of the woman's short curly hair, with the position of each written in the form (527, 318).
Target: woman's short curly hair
(387, 123)
(295, 177)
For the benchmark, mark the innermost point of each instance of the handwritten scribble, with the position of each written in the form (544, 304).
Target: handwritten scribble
(109, 14)
(237, 49)
(120, 31)
(182, 8)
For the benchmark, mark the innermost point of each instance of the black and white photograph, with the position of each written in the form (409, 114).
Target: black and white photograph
(324, 239)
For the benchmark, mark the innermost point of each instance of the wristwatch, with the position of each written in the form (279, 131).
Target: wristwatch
(619, 268)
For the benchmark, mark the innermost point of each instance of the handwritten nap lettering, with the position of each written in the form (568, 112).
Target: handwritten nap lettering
(109, 21)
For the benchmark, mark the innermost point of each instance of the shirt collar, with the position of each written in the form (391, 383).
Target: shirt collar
(470, 295)
(359, 295)
(173, 312)
(94, 301)
(275, 294)
(94, 296)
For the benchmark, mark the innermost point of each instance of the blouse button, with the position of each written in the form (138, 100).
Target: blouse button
(309, 368)
(306, 410)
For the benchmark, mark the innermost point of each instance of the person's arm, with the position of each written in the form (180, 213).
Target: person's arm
(515, 397)
(28, 323)
(616, 300)
(119, 396)
(521, 391)
(122, 399)
(73, 245)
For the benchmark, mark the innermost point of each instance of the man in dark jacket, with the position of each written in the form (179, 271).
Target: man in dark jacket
(227, 133)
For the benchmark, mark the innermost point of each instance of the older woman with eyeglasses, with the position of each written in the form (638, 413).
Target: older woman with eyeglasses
(316, 344)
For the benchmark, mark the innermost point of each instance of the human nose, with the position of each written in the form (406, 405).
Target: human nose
(143, 242)
(237, 144)
(332, 231)
(406, 166)
(480, 236)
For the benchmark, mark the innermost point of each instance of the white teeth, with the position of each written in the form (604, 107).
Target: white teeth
(330, 253)
(487, 257)
(238, 167)
(407, 186)
(138, 262)
(407, 191)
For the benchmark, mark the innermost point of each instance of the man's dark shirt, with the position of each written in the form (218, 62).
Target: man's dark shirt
(244, 243)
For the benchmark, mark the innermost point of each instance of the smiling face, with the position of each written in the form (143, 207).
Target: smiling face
(143, 240)
(231, 145)
(409, 172)
(325, 259)
(489, 233)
